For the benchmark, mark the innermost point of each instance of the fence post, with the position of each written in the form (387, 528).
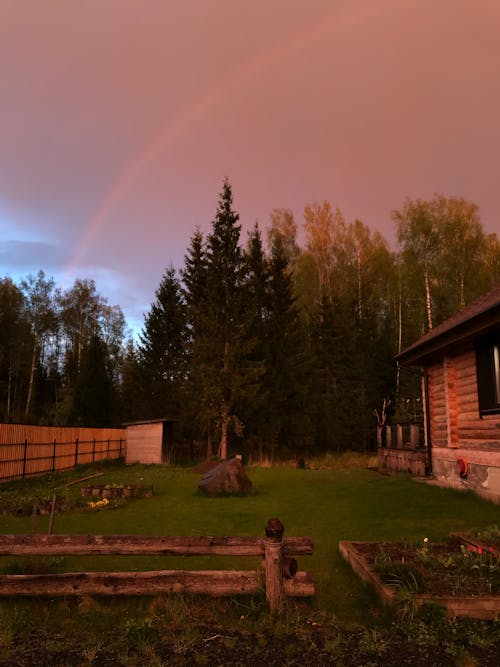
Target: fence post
(93, 450)
(107, 454)
(120, 447)
(76, 452)
(54, 455)
(273, 564)
(24, 456)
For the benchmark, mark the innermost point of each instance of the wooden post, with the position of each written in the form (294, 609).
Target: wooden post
(54, 455)
(399, 431)
(273, 563)
(24, 457)
(414, 435)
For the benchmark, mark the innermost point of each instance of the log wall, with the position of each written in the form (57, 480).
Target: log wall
(458, 432)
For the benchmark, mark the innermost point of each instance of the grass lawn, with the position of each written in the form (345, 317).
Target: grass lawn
(327, 505)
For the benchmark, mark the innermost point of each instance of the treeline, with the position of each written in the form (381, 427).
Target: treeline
(256, 345)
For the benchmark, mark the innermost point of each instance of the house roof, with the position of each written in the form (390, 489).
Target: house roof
(478, 318)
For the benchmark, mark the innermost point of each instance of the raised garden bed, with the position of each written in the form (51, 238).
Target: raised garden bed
(431, 574)
(115, 491)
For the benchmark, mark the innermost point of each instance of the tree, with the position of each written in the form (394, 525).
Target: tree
(257, 298)
(282, 224)
(221, 344)
(94, 398)
(325, 229)
(417, 232)
(162, 349)
(15, 343)
(443, 251)
(40, 312)
(134, 404)
(287, 377)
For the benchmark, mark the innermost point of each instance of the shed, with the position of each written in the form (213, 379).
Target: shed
(460, 360)
(150, 441)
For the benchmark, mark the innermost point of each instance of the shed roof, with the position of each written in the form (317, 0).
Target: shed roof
(478, 318)
(162, 420)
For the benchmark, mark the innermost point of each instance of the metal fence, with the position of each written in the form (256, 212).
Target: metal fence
(29, 451)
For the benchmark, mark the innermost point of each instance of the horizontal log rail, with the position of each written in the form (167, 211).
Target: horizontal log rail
(279, 575)
(128, 545)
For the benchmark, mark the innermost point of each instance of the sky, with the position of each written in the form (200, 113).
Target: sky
(120, 119)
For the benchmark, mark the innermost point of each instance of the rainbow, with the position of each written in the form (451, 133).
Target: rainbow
(174, 129)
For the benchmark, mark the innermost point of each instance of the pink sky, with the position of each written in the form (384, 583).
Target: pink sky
(120, 119)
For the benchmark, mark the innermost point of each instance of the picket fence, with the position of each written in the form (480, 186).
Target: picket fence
(29, 451)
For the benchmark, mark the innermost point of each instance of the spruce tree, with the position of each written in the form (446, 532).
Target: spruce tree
(93, 397)
(162, 348)
(222, 369)
(287, 376)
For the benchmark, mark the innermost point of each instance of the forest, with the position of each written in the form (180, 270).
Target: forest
(258, 345)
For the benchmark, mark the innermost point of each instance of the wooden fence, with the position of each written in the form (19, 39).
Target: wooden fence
(279, 575)
(28, 451)
(401, 448)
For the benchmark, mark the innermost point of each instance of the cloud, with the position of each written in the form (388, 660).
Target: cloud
(22, 257)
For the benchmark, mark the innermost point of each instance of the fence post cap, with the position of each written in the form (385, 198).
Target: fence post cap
(274, 529)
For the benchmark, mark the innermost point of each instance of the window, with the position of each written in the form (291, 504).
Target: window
(488, 375)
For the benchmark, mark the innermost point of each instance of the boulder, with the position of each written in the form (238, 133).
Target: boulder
(229, 477)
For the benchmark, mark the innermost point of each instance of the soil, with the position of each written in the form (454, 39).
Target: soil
(316, 646)
(440, 573)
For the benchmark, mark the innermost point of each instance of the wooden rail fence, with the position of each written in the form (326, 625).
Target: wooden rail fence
(28, 451)
(279, 575)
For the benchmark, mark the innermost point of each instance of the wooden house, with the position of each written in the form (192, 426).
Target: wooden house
(460, 360)
(150, 441)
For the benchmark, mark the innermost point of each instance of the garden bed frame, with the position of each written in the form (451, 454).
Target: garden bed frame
(278, 577)
(478, 606)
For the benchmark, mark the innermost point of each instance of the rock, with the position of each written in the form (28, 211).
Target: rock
(229, 477)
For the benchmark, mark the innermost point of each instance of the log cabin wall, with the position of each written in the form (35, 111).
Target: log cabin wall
(458, 433)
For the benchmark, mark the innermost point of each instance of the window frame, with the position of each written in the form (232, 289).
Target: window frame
(488, 375)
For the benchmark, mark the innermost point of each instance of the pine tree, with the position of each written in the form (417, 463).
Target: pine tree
(162, 348)
(287, 376)
(134, 403)
(222, 369)
(256, 291)
(94, 397)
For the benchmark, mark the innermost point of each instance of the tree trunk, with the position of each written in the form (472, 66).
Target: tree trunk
(209, 440)
(32, 377)
(358, 266)
(428, 300)
(223, 438)
(9, 390)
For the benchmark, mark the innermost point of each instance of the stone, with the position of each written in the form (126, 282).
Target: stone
(229, 477)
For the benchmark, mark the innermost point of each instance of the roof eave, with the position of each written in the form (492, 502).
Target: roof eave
(481, 325)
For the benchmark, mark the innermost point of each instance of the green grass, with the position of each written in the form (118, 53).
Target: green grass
(343, 624)
(327, 505)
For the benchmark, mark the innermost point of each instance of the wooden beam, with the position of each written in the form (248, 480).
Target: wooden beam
(88, 545)
(213, 582)
(216, 583)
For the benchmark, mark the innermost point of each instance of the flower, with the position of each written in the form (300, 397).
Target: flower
(480, 550)
(426, 539)
(99, 503)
